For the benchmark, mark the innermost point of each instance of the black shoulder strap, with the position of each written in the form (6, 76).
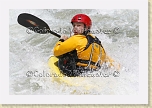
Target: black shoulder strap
(92, 40)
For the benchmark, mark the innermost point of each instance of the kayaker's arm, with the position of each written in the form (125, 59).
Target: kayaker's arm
(63, 47)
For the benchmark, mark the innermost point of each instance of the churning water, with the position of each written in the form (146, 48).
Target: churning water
(118, 31)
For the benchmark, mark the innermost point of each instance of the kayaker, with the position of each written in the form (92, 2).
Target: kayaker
(80, 52)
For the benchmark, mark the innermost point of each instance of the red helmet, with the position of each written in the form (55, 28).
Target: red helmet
(82, 18)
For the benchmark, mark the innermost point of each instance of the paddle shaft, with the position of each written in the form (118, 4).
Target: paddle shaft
(55, 34)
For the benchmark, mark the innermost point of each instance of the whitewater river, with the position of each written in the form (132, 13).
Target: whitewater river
(118, 31)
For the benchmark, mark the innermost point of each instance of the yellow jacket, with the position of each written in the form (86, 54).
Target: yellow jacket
(78, 43)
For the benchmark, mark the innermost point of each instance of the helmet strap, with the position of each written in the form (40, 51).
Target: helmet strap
(86, 31)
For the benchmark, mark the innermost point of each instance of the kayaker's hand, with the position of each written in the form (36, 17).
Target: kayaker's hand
(64, 37)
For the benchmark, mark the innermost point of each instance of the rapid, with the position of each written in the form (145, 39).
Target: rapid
(118, 31)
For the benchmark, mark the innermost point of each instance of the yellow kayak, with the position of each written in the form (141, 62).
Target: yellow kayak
(58, 76)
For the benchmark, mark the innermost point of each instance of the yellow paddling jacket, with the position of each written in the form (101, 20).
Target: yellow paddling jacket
(88, 49)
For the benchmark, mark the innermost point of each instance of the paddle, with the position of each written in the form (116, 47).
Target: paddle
(35, 24)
